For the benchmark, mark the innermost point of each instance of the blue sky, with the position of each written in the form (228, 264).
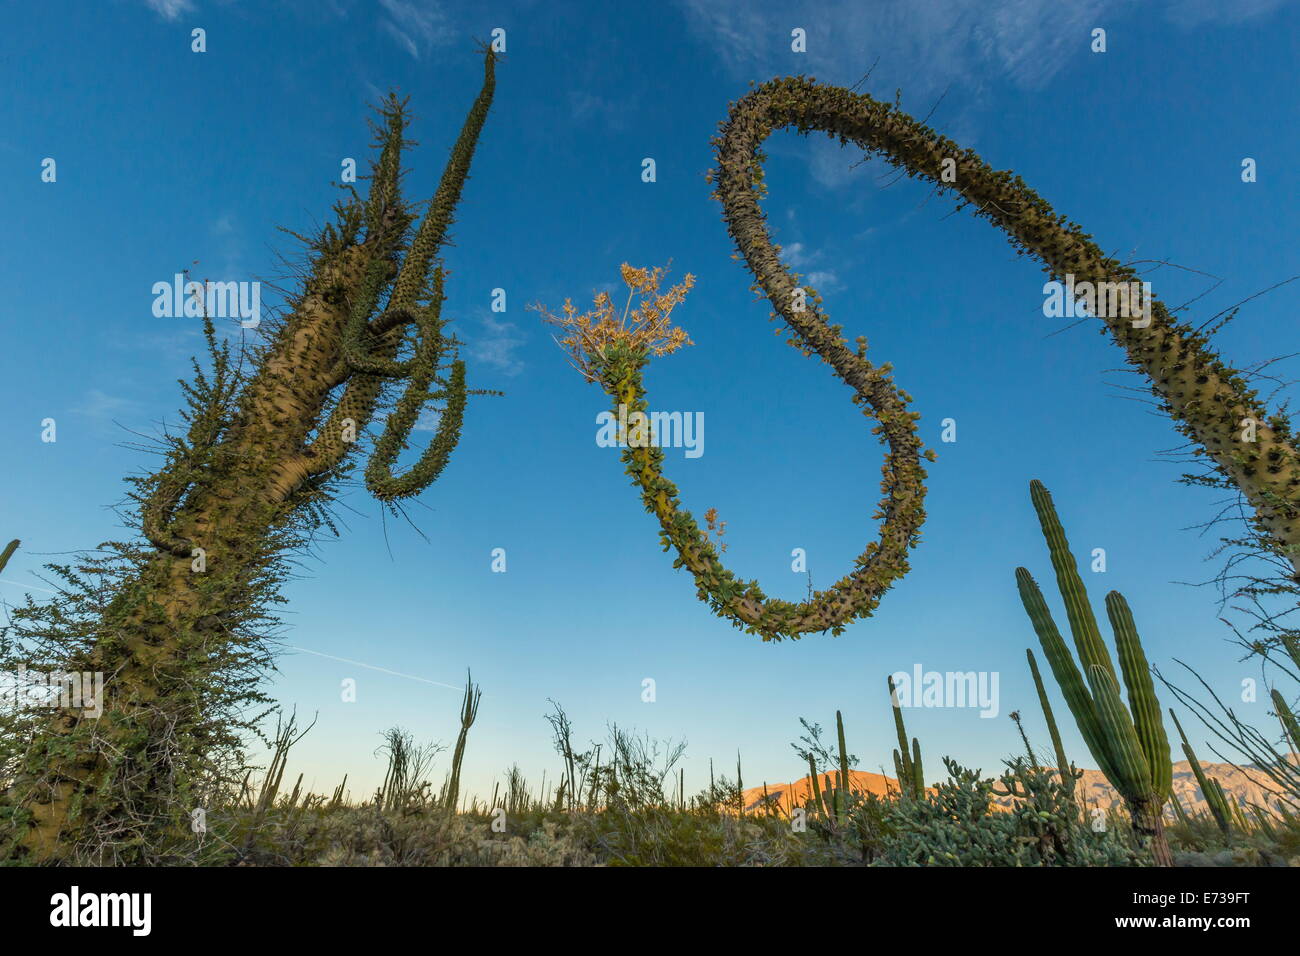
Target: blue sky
(167, 157)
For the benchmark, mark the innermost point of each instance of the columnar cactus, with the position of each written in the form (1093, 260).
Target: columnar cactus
(468, 713)
(1211, 789)
(8, 552)
(365, 338)
(1287, 717)
(1063, 765)
(907, 766)
(816, 785)
(842, 798)
(1130, 746)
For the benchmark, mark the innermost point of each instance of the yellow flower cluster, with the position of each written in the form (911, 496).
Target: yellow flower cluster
(643, 324)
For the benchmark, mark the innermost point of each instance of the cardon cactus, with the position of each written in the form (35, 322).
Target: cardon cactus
(1211, 789)
(1287, 717)
(8, 552)
(844, 788)
(1063, 765)
(907, 766)
(1128, 743)
(817, 804)
(468, 714)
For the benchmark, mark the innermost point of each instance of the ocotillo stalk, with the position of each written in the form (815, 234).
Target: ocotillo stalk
(468, 711)
(1215, 798)
(1130, 746)
(248, 482)
(1063, 766)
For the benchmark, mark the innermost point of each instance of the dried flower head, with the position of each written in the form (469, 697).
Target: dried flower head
(716, 527)
(643, 324)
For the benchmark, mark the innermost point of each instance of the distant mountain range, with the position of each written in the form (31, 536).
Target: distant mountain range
(1097, 792)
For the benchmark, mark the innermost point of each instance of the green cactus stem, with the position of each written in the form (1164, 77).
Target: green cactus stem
(816, 787)
(844, 766)
(8, 552)
(1287, 717)
(907, 764)
(1128, 743)
(1063, 767)
(740, 788)
(1211, 789)
(468, 713)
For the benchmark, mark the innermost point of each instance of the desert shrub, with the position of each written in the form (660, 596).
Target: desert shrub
(668, 837)
(958, 824)
(1258, 838)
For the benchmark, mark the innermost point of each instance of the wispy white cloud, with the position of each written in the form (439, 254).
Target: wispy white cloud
(101, 407)
(922, 44)
(228, 243)
(825, 281)
(428, 420)
(497, 344)
(587, 106)
(494, 347)
(171, 9)
(416, 25)
(1192, 13)
(926, 47)
(798, 255)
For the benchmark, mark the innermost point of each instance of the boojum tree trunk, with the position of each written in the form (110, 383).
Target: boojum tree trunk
(213, 513)
(1250, 447)
(1209, 401)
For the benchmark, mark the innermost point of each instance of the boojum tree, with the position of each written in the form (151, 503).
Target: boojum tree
(1211, 403)
(363, 343)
